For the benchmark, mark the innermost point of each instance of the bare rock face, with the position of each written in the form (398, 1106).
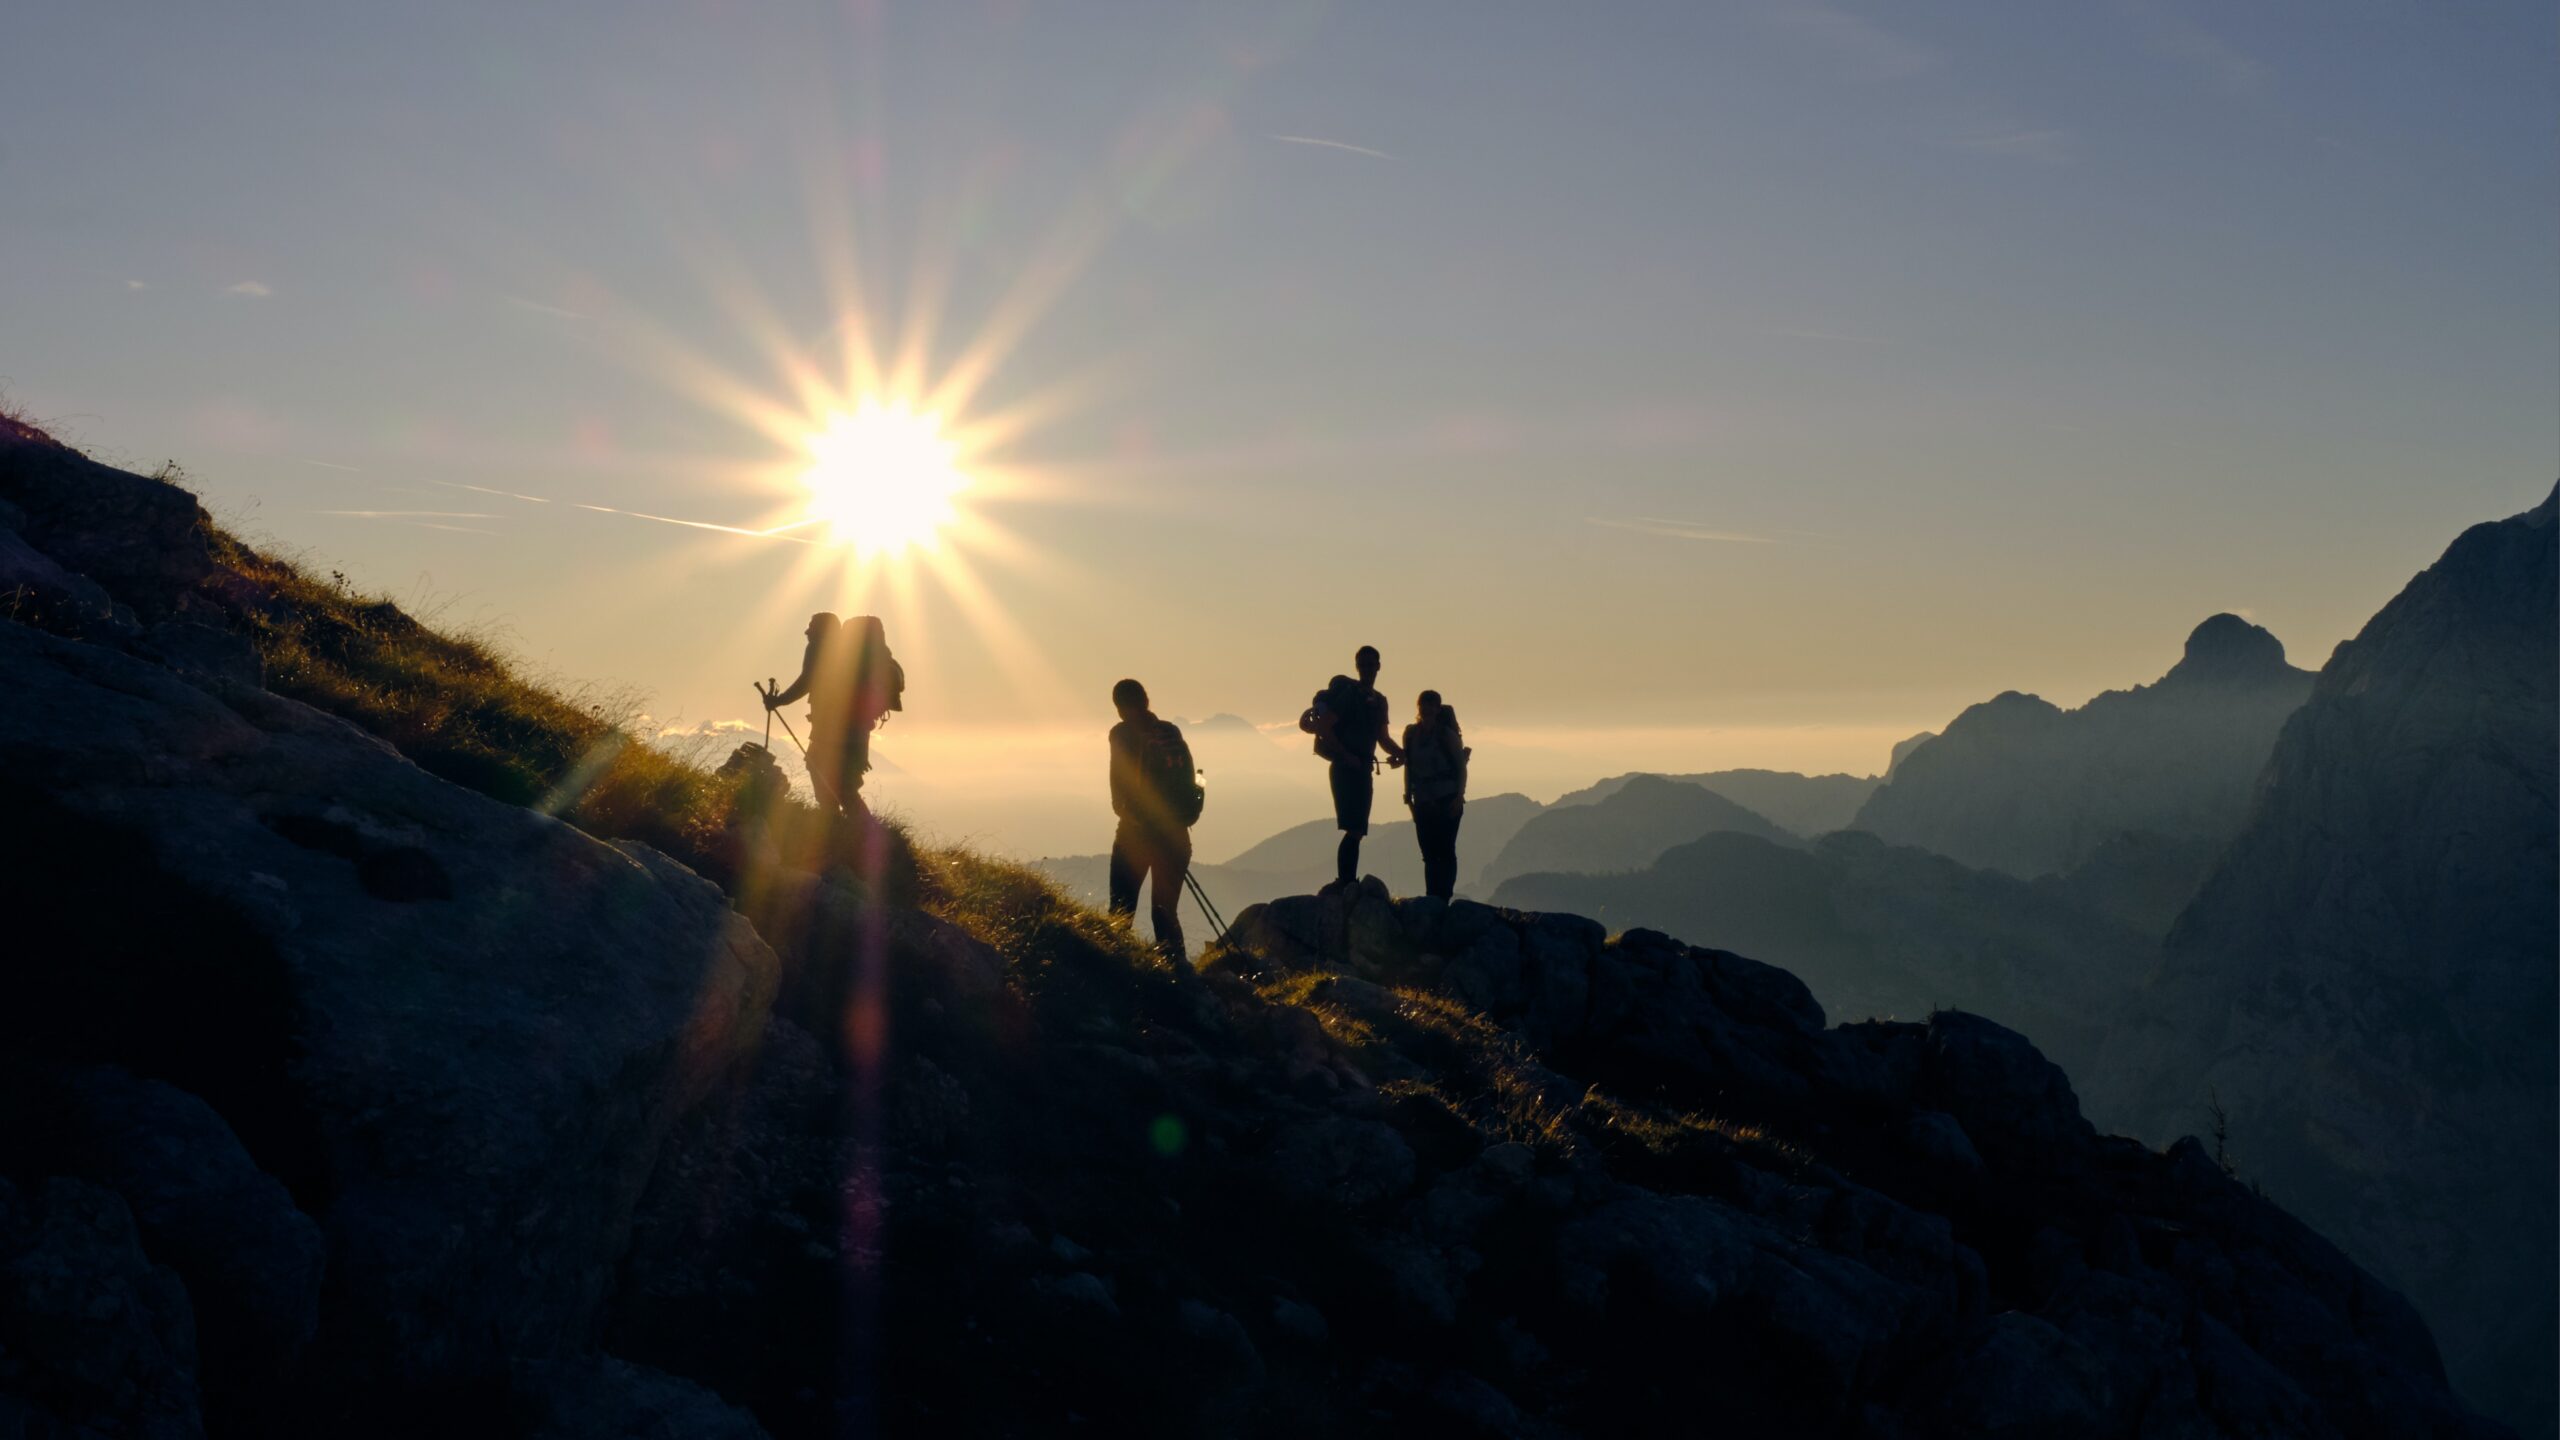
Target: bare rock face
(456, 1031)
(2367, 978)
(95, 1339)
(2018, 785)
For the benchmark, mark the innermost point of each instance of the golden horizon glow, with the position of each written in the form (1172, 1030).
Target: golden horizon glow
(882, 479)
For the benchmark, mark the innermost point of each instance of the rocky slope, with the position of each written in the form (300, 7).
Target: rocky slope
(342, 1098)
(2367, 978)
(2019, 785)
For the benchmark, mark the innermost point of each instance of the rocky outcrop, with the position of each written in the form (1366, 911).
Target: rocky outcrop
(454, 1031)
(1899, 1228)
(2018, 785)
(2367, 978)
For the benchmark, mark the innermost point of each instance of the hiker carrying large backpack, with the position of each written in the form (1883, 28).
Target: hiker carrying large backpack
(1156, 792)
(1349, 723)
(853, 684)
(1435, 789)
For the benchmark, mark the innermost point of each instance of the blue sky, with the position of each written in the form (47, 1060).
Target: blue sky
(2010, 339)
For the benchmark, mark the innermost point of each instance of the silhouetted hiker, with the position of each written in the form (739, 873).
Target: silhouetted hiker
(852, 682)
(1435, 788)
(1157, 795)
(1349, 721)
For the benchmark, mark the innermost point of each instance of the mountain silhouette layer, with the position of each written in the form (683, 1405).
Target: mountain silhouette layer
(1627, 829)
(2367, 977)
(2020, 785)
(346, 1096)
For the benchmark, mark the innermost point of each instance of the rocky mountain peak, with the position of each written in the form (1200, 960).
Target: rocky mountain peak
(2227, 650)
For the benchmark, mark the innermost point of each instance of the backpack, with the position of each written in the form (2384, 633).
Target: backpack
(1164, 764)
(1435, 768)
(1342, 701)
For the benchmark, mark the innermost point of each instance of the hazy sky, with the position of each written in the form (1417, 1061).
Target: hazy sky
(1678, 384)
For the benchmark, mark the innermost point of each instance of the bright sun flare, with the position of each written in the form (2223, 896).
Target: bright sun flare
(883, 479)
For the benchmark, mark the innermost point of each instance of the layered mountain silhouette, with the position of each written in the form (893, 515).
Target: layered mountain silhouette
(370, 1075)
(2019, 785)
(2366, 980)
(1894, 932)
(1626, 829)
(1807, 805)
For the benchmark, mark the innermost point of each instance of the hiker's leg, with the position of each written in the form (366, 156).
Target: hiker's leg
(1123, 873)
(1171, 859)
(1449, 851)
(826, 769)
(1431, 829)
(857, 763)
(1353, 789)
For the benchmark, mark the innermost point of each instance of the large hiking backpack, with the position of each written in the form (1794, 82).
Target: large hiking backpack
(1341, 718)
(1164, 763)
(1435, 766)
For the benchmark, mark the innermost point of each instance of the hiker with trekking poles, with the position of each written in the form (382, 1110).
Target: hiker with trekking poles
(1157, 794)
(1349, 723)
(853, 685)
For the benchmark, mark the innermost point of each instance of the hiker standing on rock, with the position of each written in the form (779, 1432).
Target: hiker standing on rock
(1435, 789)
(1157, 795)
(852, 682)
(1349, 721)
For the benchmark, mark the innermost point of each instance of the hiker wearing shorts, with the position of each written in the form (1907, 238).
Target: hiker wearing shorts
(1349, 721)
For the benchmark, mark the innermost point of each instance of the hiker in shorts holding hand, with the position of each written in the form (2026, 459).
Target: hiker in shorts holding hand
(1158, 797)
(1349, 721)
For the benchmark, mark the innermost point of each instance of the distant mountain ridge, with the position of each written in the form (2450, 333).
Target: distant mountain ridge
(1808, 805)
(2020, 785)
(2367, 977)
(1625, 830)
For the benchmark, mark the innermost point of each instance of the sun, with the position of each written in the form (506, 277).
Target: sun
(882, 479)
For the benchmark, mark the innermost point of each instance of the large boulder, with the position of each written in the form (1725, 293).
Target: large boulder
(457, 1030)
(95, 1339)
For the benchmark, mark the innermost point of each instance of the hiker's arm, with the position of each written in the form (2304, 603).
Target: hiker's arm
(800, 686)
(1387, 739)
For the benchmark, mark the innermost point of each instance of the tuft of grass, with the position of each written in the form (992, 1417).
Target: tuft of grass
(463, 712)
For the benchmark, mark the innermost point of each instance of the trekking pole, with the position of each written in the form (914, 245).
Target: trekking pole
(768, 714)
(1200, 897)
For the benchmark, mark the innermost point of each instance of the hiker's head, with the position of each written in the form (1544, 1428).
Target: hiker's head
(1366, 662)
(1426, 706)
(1130, 699)
(822, 625)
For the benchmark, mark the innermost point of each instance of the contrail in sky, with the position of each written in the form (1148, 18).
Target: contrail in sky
(695, 524)
(411, 514)
(1681, 530)
(485, 490)
(1333, 145)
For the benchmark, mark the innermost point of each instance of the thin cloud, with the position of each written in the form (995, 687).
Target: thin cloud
(2046, 147)
(136, 285)
(1839, 337)
(455, 529)
(538, 308)
(696, 524)
(1333, 145)
(2209, 55)
(1865, 46)
(485, 490)
(1679, 530)
(411, 514)
(255, 290)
